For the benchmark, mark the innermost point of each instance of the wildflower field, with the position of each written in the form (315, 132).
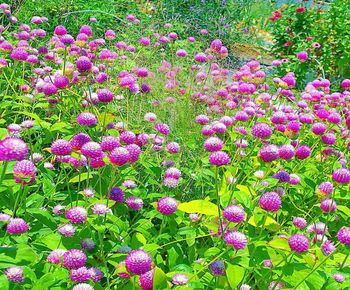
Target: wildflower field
(135, 155)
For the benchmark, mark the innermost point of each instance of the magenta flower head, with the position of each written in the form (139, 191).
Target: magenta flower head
(200, 57)
(217, 268)
(86, 119)
(325, 188)
(83, 64)
(302, 152)
(181, 53)
(219, 158)
(61, 147)
(234, 213)
(269, 153)
(14, 274)
(60, 81)
(13, 149)
(87, 244)
(339, 277)
(213, 144)
(146, 280)
(127, 137)
(76, 215)
(105, 95)
(66, 230)
(173, 172)
(92, 150)
(261, 130)
(270, 201)
(24, 171)
(17, 226)
(341, 175)
(82, 286)
(19, 54)
(108, 143)
(96, 274)
(173, 147)
(162, 128)
(167, 205)
(55, 257)
(299, 222)
(328, 205)
(318, 128)
(145, 41)
(138, 262)
(60, 30)
(119, 156)
(302, 56)
(79, 140)
(117, 194)
(343, 235)
(237, 239)
(81, 274)
(286, 152)
(179, 279)
(74, 259)
(299, 243)
(134, 203)
(327, 248)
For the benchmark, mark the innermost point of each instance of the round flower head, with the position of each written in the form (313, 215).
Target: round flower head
(92, 150)
(234, 213)
(275, 285)
(19, 54)
(83, 64)
(100, 209)
(82, 286)
(302, 56)
(270, 201)
(299, 222)
(318, 128)
(167, 205)
(87, 244)
(105, 95)
(134, 203)
(343, 235)
(79, 140)
(150, 117)
(55, 257)
(328, 248)
(286, 152)
(302, 152)
(245, 287)
(219, 158)
(325, 188)
(328, 205)
(86, 119)
(74, 259)
(4, 217)
(171, 182)
(24, 171)
(127, 137)
(217, 268)
(138, 262)
(108, 143)
(146, 280)
(119, 156)
(299, 243)
(17, 226)
(162, 128)
(66, 230)
(134, 152)
(339, 277)
(173, 147)
(173, 172)
(179, 279)
(13, 149)
(269, 153)
(237, 239)
(282, 176)
(14, 274)
(60, 81)
(116, 194)
(81, 274)
(341, 175)
(61, 147)
(261, 130)
(213, 144)
(96, 274)
(76, 215)
(318, 228)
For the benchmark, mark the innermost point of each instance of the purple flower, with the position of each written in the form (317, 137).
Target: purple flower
(138, 262)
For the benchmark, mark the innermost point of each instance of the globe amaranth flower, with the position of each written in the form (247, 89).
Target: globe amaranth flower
(14, 274)
(237, 239)
(299, 222)
(76, 215)
(81, 274)
(328, 205)
(269, 153)
(146, 280)
(327, 248)
(86, 119)
(270, 201)
(24, 171)
(12, 148)
(61, 147)
(219, 158)
(341, 175)
(55, 257)
(167, 205)
(74, 259)
(217, 268)
(299, 243)
(82, 286)
(119, 156)
(87, 244)
(134, 203)
(66, 230)
(343, 235)
(138, 262)
(96, 274)
(179, 279)
(234, 213)
(261, 130)
(17, 226)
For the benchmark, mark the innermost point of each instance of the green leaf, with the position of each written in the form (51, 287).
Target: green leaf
(199, 206)
(279, 243)
(44, 282)
(44, 217)
(234, 274)
(83, 176)
(344, 209)
(159, 279)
